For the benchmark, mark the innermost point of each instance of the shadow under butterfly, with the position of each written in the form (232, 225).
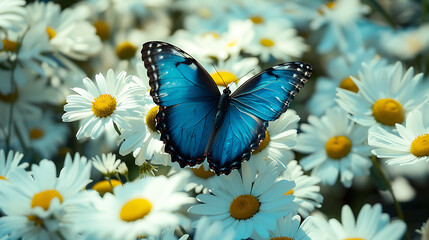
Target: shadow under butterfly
(197, 122)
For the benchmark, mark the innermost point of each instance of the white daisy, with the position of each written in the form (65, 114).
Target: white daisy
(408, 146)
(306, 192)
(204, 16)
(337, 146)
(68, 32)
(405, 44)
(112, 100)
(424, 231)
(11, 14)
(290, 227)
(137, 7)
(9, 163)
(207, 230)
(261, 13)
(301, 12)
(280, 137)
(143, 139)
(26, 104)
(219, 45)
(107, 164)
(371, 223)
(337, 22)
(277, 41)
(201, 179)
(339, 70)
(246, 202)
(30, 48)
(144, 207)
(45, 135)
(35, 205)
(385, 95)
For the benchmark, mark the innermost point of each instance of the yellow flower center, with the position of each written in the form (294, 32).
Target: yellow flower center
(2, 178)
(150, 118)
(37, 221)
(232, 43)
(212, 34)
(282, 238)
(9, 98)
(263, 144)
(354, 239)
(266, 42)
(338, 147)
(62, 152)
(330, 5)
(223, 78)
(388, 111)
(43, 199)
(257, 19)
(104, 186)
(202, 173)
(51, 32)
(204, 12)
(36, 133)
(104, 105)
(420, 146)
(10, 46)
(126, 50)
(290, 192)
(102, 29)
(135, 209)
(244, 207)
(348, 84)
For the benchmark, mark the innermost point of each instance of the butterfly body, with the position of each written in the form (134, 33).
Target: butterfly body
(197, 122)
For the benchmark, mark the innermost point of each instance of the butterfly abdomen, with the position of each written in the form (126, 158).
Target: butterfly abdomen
(221, 109)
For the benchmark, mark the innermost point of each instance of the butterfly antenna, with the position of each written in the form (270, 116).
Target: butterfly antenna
(245, 74)
(224, 83)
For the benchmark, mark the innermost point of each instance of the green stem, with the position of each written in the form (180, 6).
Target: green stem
(424, 10)
(389, 185)
(117, 176)
(117, 129)
(110, 183)
(14, 90)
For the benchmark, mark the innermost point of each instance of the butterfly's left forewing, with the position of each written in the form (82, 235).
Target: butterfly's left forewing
(187, 97)
(175, 77)
(261, 99)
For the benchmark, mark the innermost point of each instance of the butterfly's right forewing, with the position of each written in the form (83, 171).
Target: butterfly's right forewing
(187, 97)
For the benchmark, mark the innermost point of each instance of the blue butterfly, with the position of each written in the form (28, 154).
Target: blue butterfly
(197, 122)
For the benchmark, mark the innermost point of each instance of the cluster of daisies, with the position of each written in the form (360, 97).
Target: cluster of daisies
(80, 156)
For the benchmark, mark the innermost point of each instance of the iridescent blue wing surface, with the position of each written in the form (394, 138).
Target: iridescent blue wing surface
(239, 134)
(261, 99)
(268, 94)
(176, 77)
(187, 97)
